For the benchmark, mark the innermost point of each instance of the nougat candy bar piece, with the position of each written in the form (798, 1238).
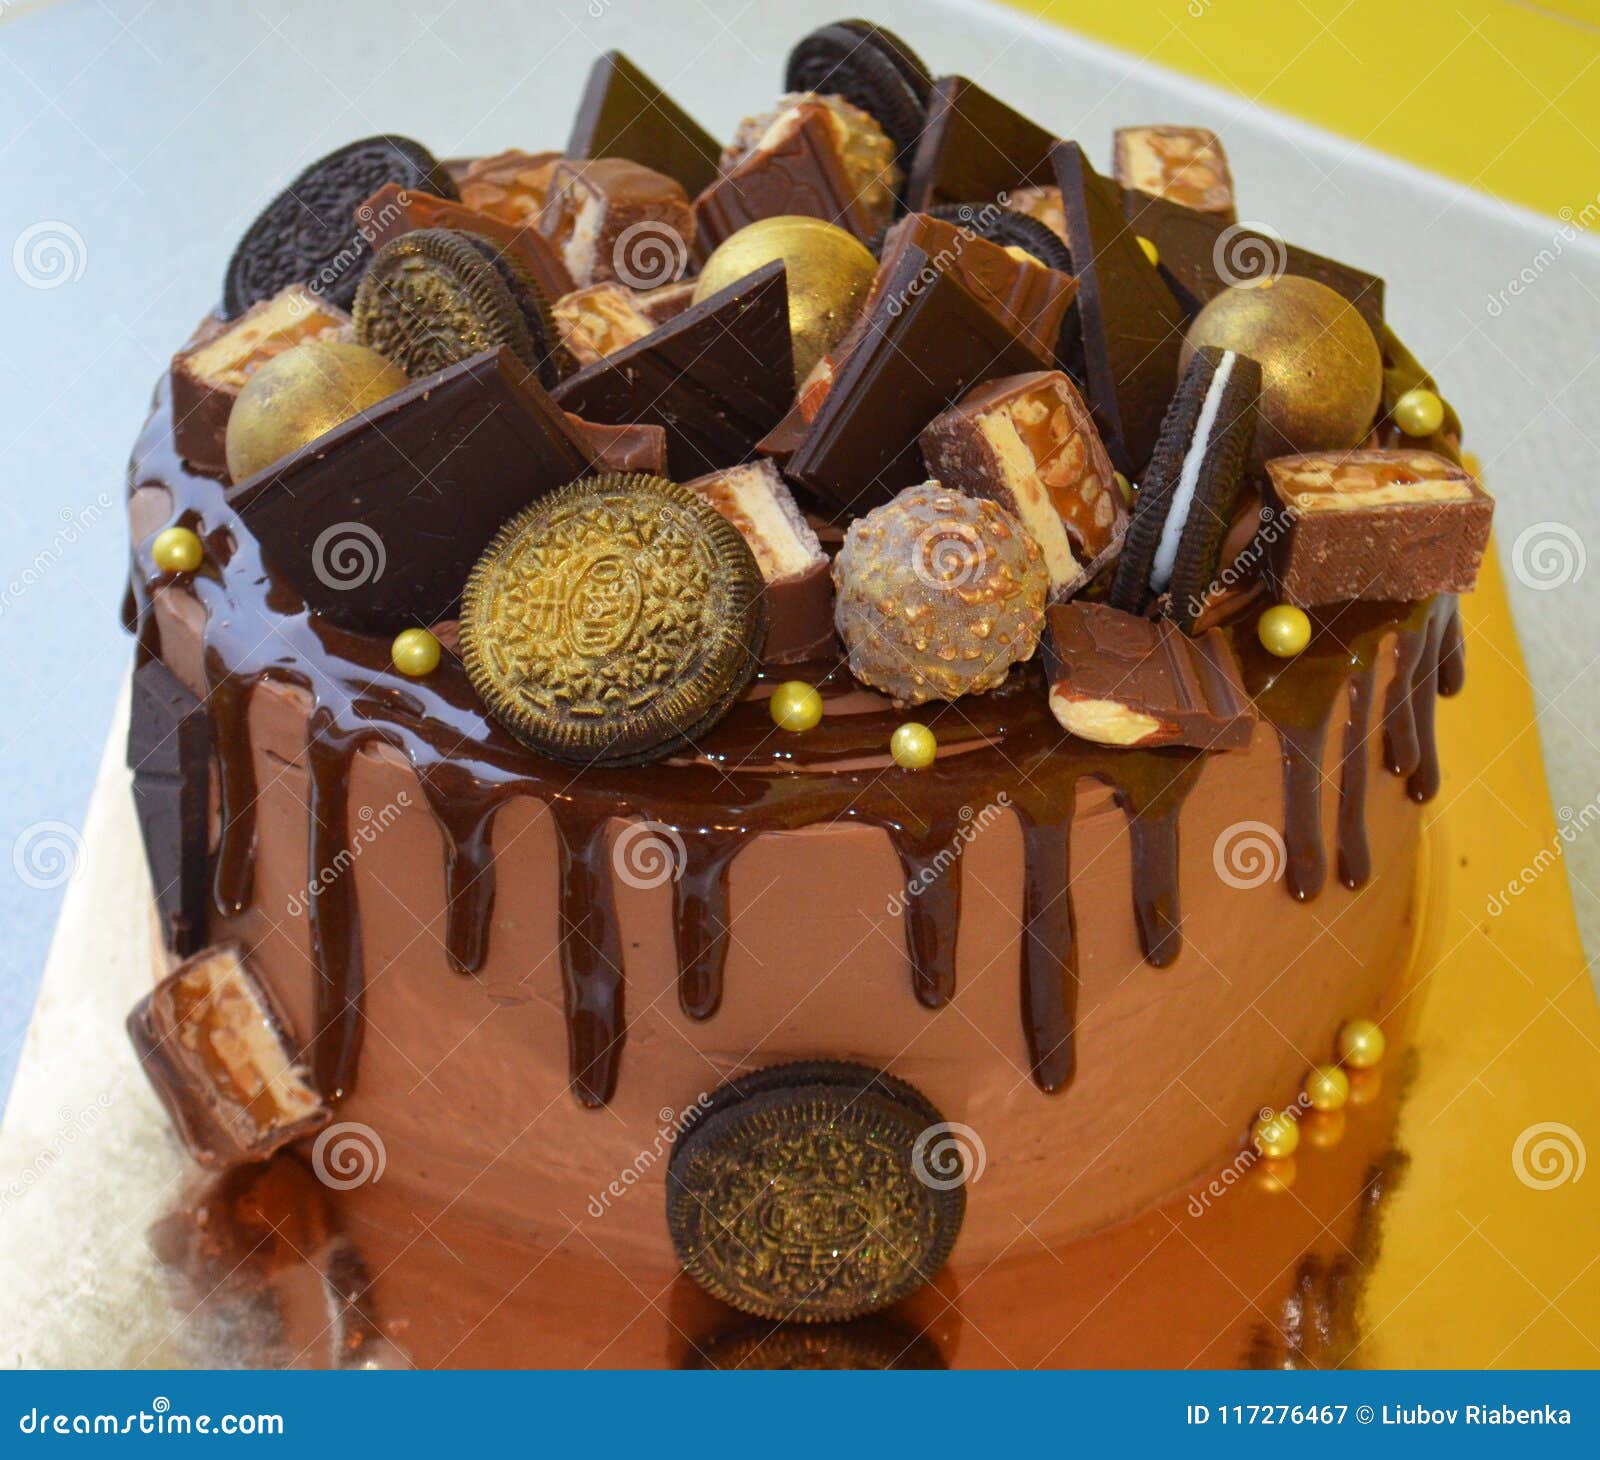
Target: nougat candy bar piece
(510, 186)
(614, 219)
(208, 376)
(1043, 204)
(1029, 443)
(1184, 165)
(1382, 525)
(599, 321)
(217, 1050)
(1118, 679)
(799, 588)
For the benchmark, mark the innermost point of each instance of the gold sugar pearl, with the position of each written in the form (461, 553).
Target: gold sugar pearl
(178, 550)
(795, 706)
(1276, 1135)
(913, 746)
(1284, 630)
(1361, 1044)
(1327, 1087)
(415, 652)
(1419, 412)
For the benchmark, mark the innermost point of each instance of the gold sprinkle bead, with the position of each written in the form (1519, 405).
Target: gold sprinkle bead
(1276, 1136)
(795, 706)
(415, 652)
(1361, 1044)
(178, 550)
(1419, 412)
(1327, 1087)
(913, 746)
(1284, 630)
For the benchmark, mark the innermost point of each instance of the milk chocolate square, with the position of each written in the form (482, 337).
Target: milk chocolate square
(1185, 165)
(615, 219)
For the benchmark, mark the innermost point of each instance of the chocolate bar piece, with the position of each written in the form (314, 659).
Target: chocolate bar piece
(625, 114)
(796, 167)
(624, 448)
(1119, 679)
(799, 588)
(393, 210)
(974, 148)
(1184, 165)
(510, 186)
(377, 522)
(615, 219)
(1025, 296)
(599, 321)
(715, 377)
(926, 345)
(1384, 525)
(1028, 443)
(1131, 326)
(208, 376)
(169, 753)
(1202, 255)
(217, 1050)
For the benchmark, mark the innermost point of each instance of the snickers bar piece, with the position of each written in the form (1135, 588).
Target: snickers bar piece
(1132, 327)
(615, 219)
(1028, 443)
(1184, 165)
(795, 569)
(377, 522)
(625, 114)
(510, 186)
(216, 1048)
(208, 376)
(1118, 679)
(1384, 525)
(975, 148)
(927, 343)
(599, 321)
(169, 753)
(717, 377)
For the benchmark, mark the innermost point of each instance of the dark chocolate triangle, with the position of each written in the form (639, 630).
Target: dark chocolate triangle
(1131, 327)
(927, 344)
(975, 148)
(1203, 254)
(625, 114)
(169, 753)
(378, 522)
(717, 377)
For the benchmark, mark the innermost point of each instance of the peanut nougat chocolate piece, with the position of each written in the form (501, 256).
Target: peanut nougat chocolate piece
(1185, 165)
(1383, 525)
(599, 321)
(794, 568)
(1119, 679)
(1028, 443)
(208, 375)
(615, 219)
(511, 185)
(217, 1049)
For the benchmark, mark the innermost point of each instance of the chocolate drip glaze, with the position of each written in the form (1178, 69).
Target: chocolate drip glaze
(742, 780)
(1355, 856)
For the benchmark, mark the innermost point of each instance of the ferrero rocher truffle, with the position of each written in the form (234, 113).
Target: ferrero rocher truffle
(939, 594)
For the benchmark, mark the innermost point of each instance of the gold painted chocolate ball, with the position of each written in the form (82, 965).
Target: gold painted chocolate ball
(1284, 630)
(913, 746)
(1321, 373)
(415, 652)
(302, 394)
(1327, 1087)
(1361, 1044)
(1276, 1135)
(1419, 412)
(177, 550)
(795, 705)
(829, 273)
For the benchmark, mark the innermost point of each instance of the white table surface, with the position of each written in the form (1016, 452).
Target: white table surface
(145, 137)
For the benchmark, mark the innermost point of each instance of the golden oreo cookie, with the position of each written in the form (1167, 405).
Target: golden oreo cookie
(613, 620)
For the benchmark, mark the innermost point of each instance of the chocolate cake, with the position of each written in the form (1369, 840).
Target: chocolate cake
(817, 860)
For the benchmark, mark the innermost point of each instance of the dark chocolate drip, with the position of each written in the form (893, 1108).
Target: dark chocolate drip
(1452, 654)
(1355, 855)
(1306, 865)
(592, 951)
(1155, 884)
(331, 906)
(701, 918)
(465, 815)
(1049, 955)
(228, 698)
(930, 860)
(1430, 659)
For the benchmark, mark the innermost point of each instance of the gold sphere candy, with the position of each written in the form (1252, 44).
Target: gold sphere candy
(1276, 1135)
(415, 652)
(1321, 372)
(302, 394)
(1284, 630)
(1327, 1088)
(795, 705)
(1361, 1044)
(1418, 412)
(828, 272)
(913, 746)
(177, 550)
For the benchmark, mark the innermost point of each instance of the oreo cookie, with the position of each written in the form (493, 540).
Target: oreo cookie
(550, 357)
(435, 297)
(308, 233)
(1186, 501)
(614, 620)
(869, 67)
(1003, 226)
